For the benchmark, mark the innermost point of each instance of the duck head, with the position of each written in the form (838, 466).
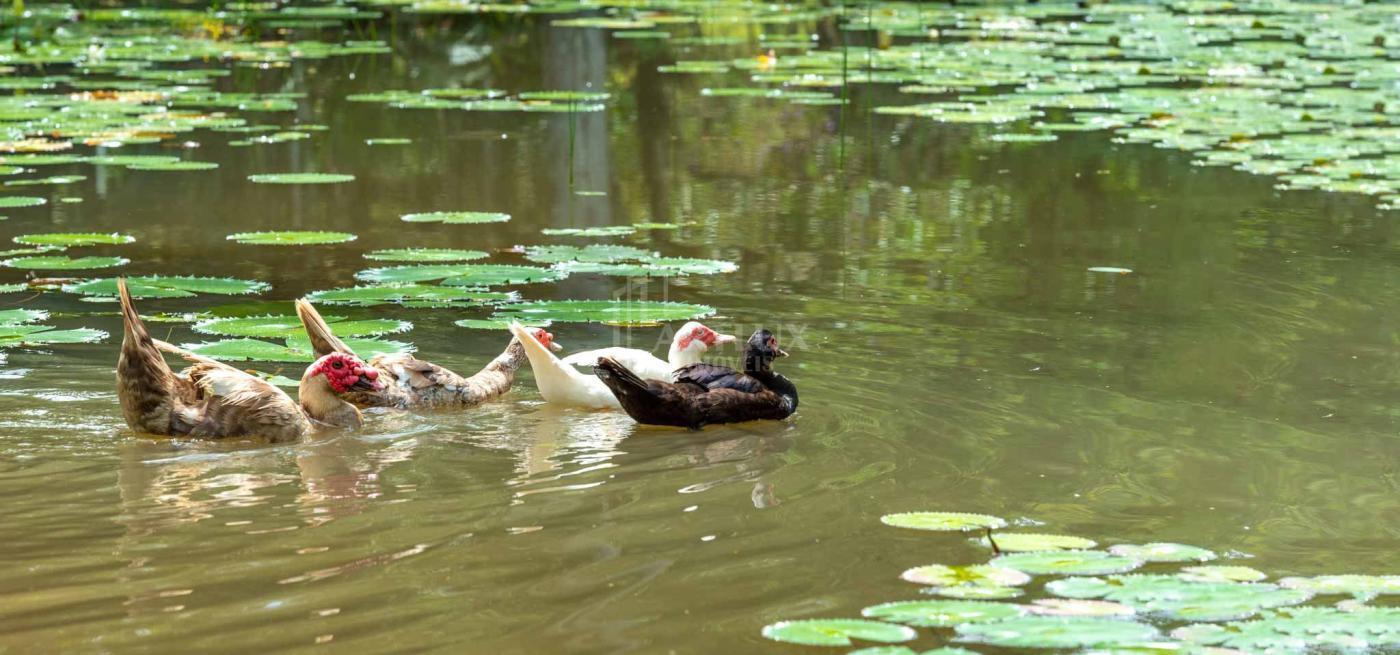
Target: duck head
(694, 338)
(546, 339)
(345, 373)
(760, 351)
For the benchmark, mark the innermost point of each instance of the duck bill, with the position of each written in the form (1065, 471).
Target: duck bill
(721, 339)
(554, 345)
(779, 352)
(366, 384)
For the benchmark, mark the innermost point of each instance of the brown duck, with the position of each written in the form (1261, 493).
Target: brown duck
(411, 383)
(212, 400)
(705, 394)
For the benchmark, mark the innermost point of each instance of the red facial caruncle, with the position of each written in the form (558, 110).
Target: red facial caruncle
(703, 334)
(346, 373)
(543, 337)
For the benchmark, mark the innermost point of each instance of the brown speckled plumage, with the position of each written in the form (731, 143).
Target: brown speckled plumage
(208, 399)
(411, 383)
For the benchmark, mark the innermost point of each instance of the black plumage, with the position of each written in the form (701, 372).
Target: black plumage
(705, 394)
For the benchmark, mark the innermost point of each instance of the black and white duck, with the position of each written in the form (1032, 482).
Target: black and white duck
(706, 394)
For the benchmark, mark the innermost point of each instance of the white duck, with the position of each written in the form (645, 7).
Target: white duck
(561, 383)
(689, 346)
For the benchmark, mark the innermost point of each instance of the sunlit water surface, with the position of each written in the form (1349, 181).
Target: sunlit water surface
(1236, 391)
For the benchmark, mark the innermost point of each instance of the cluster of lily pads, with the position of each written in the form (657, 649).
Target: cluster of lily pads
(471, 99)
(1157, 598)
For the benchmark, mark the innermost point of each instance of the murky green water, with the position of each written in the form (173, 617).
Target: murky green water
(1236, 391)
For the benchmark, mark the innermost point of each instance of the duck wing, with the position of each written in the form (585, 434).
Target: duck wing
(641, 362)
(148, 389)
(715, 377)
(651, 402)
(229, 402)
(733, 406)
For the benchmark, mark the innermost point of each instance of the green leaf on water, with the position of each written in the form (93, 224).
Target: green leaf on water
(1354, 585)
(836, 632)
(417, 295)
(295, 238)
(942, 521)
(48, 336)
(976, 575)
(593, 253)
(1175, 598)
(461, 275)
(565, 96)
(456, 218)
(614, 312)
(288, 326)
(73, 239)
(1163, 552)
(388, 142)
(300, 178)
(60, 263)
(295, 351)
(607, 231)
(174, 166)
(489, 324)
(161, 286)
(9, 202)
(1067, 562)
(1078, 607)
(1221, 574)
(942, 613)
(1014, 542)
(977, 593)
(55, 179)
(425, 255)
(17, 316)
(1055, 632)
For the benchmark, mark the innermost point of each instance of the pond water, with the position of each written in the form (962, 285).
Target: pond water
(1235, 391)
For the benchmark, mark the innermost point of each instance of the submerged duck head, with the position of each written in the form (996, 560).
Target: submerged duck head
(760, 352)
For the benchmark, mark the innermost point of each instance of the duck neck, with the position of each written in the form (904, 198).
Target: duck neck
(321, 404)
(679, 356)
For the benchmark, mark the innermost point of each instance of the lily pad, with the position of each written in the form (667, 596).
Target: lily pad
(294, 351)
(942, 613)
(593, 253)
(943, 521)
(616, 312)
(425, 255)
(291, 238)
(161, 286)
(388, 142)
(1078, 607)
(1014, 542)
(608, 231)
(41, 181)
(1172, 597)
(836, 632)
(289, 326)
(461, 275)
(1055, 632)
(65, 239)
(489, 324)
(456, 218)
(1068, 562)
(1222, 574)
(60, 263)
(1163, 552)
(976, 575)
(977, 593)
(413, 295)
(9, 202)
(174, 166)
(1354, 585)
(300, 178)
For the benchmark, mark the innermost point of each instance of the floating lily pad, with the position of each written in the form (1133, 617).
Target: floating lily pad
(1222, 574)
(1110, 269)
(42, 335)
(60, 263)
(425, 255)
(65, 239)
(1055, 632)
(1068, 562)
(412, 295)
(942, 613)
(52, 180)
(17, 316)
(291, 238)
(836, 632)
(489, 324)
(174, 166)
(1354, 585)
(300, 178)
(388, 142)
(1013, 542)
(287, 326)
(942, 521)
(1163, 552)
(1078, 607)
(616, 312)
(976, 575)
(1173, 597)
(977, 593)
(456, 218)
(565, 96)
(9, 202)
(160, 286)
(460, 275)
(295, 350)
(608, 231)
(594, 253)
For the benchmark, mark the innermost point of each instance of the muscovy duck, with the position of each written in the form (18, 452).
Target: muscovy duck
(411, 383)
(689, 345)
(212, 400)
(705, 394)
(561, 383)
